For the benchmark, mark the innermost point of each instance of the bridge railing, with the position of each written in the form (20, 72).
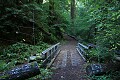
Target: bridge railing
(81, 50)
(49, 53)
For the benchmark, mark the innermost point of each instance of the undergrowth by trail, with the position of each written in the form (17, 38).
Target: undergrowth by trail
(19, 53)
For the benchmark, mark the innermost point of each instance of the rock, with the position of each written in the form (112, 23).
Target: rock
(32, 58)
(38, 57)
(62, 77)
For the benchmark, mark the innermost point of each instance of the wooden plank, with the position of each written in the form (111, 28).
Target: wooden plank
(64, 60)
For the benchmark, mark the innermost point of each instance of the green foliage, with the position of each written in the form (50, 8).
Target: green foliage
(25, 50)
(15, 18)
(45, 74)
(98, 22)
(115, 75)
(99, 55)
(104, 77)
(2, 65)
(93, 54)
(19, 53)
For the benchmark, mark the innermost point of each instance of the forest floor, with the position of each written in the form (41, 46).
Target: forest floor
(69, 64)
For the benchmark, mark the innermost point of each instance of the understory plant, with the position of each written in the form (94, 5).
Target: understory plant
(19, 53)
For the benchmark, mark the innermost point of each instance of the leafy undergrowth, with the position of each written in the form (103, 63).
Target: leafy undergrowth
(19, 53)
(113, 75)
(95, 56)
(45, 74)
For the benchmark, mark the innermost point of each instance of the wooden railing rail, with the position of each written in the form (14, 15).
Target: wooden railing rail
(81, 50)
(49, 53)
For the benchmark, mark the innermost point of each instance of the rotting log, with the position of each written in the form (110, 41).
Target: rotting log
(21, 72)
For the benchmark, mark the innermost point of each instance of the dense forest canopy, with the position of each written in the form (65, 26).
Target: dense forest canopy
(45, 21)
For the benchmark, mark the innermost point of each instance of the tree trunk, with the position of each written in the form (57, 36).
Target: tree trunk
(39, 1)
(72, 14)
(51, 12)
(72, 9)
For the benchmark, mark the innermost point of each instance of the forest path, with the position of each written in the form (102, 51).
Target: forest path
(68, 64)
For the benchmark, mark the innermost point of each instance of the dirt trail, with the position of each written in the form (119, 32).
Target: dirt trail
(69, 65)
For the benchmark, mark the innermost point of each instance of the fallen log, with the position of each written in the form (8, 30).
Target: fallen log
(21, 72)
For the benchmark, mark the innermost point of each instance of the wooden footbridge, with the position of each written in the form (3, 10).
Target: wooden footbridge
(67, 59)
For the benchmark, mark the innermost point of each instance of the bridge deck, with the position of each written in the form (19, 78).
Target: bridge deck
(69, 65)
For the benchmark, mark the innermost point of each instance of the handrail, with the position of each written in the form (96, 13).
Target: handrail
(82, 45)
(47, 50)
(80, 48)
(49, 53)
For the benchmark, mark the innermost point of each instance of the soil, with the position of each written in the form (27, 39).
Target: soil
(69, 65)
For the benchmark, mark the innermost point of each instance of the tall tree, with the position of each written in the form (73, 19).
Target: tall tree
(51, 12)
(72, 9)
(72, 13)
